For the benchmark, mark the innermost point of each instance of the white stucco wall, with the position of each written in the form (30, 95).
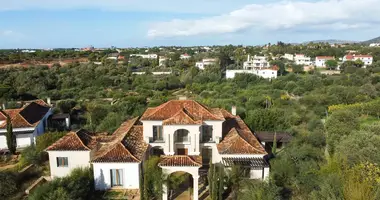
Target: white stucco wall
(265, 73)
(193, 145)
(76, 159)
(102, 175)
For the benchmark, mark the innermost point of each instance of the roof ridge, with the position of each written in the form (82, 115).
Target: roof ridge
(157, 108)
(23, 118)
(204, 107)
(76, 134)
(62, 138)
(138, 160)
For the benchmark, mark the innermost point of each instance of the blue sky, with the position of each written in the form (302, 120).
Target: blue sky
(133, 23)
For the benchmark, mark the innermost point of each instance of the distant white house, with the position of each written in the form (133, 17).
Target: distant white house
(320, 61)
(28, 51)
(146, 56)
(366, 59)
(185, 56)
(255, 62)
(289, 56)
(301, 59)
(374, 45)
(207, 61)
(161, 61)
(154, 73)
(28, 122)
(265, 73)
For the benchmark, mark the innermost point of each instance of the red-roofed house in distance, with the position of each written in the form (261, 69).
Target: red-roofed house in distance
(186, 134)
(366, 59)
(185, 56)
(28, 122)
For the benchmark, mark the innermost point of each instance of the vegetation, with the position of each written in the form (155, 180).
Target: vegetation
(78, 185)
(8, 184)
(10, 137)
(152, 180)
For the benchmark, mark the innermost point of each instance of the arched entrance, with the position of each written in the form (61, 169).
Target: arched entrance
(182, 142)
(180, 186)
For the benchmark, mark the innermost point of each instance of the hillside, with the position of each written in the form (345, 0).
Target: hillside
(374, 40)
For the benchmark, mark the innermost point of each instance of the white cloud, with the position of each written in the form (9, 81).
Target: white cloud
(324, 15)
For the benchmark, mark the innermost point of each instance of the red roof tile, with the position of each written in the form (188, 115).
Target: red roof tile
(170, 108)
(180, 161)
(238, 138)
(117, 154)
(28, 116)
(74, 141)
(182, 117)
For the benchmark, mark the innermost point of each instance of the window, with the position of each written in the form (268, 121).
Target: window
(116, 177)
(182, 135)
(206, 133)
(62, 162)
(157, 133)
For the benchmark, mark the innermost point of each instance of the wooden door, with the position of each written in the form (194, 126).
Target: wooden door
(182, 151)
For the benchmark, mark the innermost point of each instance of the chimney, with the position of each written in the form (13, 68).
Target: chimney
(48, 101)
(4, 106)
(233, 110)
(182, 98)
(249, 56)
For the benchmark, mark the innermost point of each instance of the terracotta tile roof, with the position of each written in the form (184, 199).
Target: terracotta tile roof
(170, 108)
(238, 138)
(117, 154)
(134, 141)
(182, 117)
(180, 161)
(130, 136)
(74, 141)
(28, 116)
(325, 57)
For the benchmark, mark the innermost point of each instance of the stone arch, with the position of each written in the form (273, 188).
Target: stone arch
(194, 175)
(181, 135)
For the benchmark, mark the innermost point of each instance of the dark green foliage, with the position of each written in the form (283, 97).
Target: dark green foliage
(11, 138)
(78, 185)
(152, 179)
(8, 184)
(45, 140)
(215, 177)
(257, 190)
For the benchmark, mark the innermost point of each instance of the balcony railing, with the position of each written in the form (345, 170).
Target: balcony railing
(156, 140)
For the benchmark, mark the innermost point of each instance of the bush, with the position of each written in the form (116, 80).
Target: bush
(8, 184)
(30, 155)
(78, 185)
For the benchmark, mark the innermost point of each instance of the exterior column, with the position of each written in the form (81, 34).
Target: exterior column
(171, 144)
(195, 187)
(165, 192)
(196, 143)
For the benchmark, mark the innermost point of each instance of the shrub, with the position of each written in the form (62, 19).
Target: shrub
(30, 155)
(8, 184)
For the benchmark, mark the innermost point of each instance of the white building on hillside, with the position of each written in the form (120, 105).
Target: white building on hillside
(255, 62)
(146, 56)
(374, 45)
(320, 61)
(205, 62)
(162, 60)
(301, 59)
(185, 56)
(289, 56)
(366, 59)
(28, 122)
(184, 133)
(265, 73)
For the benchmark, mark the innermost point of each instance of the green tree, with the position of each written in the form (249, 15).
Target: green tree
(331, 64)
(8, 184)
(10, 136)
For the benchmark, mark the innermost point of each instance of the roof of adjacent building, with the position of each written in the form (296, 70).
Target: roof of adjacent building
(26, 117)
(245, 162)
(126, 144)
(180, 161)
(74, 141)
(265, 136)
(325, 57)
(192, 108)
(238, 138)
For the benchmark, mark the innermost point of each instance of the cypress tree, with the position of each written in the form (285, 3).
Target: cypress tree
(11, 138)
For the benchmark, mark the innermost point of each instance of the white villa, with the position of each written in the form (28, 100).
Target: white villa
(288, 56)
(207, 61)
(258, 66)
(146, 56)
(255, 62)
(366, 59)
(301, 59)
(185, 56)
(320, 61)
(28, 122)
(186, 134)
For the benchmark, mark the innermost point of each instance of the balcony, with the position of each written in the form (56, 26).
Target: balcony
(156, 140)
